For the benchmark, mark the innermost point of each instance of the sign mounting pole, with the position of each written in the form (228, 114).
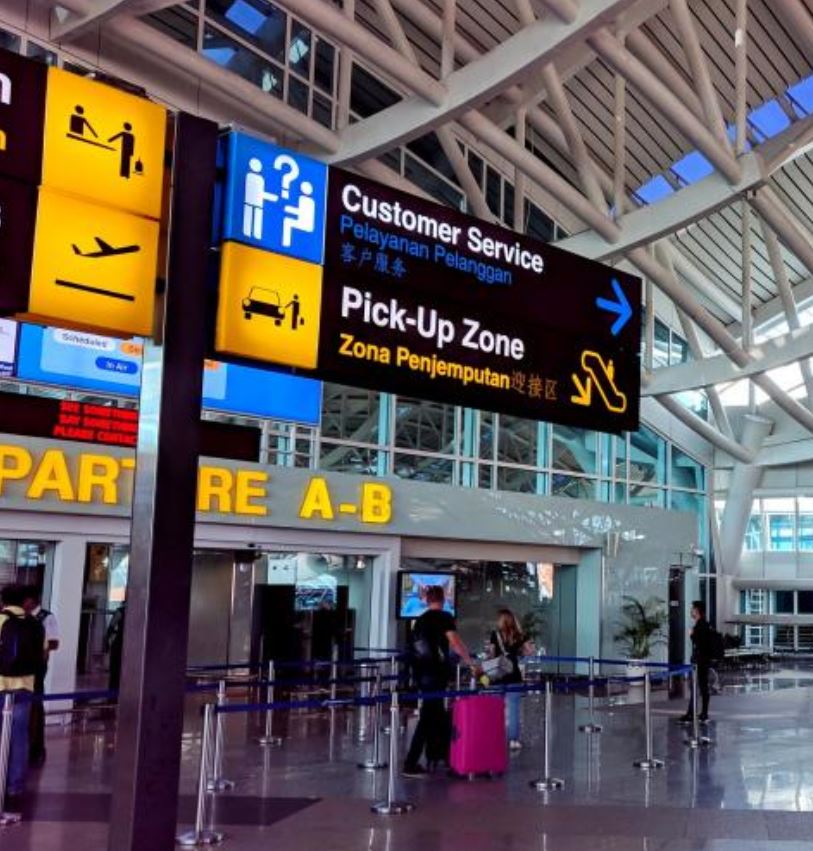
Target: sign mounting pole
(147, 766)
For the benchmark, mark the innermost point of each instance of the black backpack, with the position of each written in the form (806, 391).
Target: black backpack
(716, 646)
(22, 645)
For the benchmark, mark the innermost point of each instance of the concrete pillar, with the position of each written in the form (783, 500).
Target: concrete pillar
(744, 479)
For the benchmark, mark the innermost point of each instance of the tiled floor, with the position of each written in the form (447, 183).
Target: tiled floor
(751, 791)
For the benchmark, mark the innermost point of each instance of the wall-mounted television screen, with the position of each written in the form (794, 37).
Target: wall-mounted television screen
(412, 589)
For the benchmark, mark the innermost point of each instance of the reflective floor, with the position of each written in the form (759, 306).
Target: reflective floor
(751, 791)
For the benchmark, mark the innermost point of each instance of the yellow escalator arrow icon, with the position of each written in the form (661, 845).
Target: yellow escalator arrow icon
(601, 375)
(584, 391)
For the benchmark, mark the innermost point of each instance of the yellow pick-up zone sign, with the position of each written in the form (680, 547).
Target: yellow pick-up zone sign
(93, 267)
(103, 144)
(268, 306)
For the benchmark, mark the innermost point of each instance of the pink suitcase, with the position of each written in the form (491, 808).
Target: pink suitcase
(478, 735)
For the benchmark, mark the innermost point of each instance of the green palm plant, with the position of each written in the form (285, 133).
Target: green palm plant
(643, 626)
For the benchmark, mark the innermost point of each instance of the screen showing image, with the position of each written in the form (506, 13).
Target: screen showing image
(8, 344)
(412, 596)
(310, 596)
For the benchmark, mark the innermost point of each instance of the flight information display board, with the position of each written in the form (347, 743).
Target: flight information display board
(85, 361)
(63, 419)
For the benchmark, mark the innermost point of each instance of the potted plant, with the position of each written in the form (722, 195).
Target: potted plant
(640, 630)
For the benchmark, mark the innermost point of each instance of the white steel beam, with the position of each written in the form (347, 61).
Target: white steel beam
(698, 200)
(793, 234)
(474, 194)
(700, 70)
(623, 62)
(718, 369)
(472, 84)
(68, 26)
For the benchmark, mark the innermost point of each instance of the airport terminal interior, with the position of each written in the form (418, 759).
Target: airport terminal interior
(317, 316)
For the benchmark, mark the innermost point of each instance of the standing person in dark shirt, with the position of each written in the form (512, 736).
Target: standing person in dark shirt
(434, 637)
(701, 636)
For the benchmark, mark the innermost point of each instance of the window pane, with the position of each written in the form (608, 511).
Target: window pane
(424, 426)
(660, 354)
(493, 191)
(257, 21)
(645, 496)
(680, 349)
(537, 224)
(753, 534)
(517, 440)
(350, 414)
(424, 469)
(574, 449)
(348, 459)
(298, 94)
(299, 51)
(41, 54)
(522, 481)
(322, 110)
(9, 41)
(805, 532)
(780, 532)
(572, 486)
(508, 205)
(368, 95)
(647, 457)
(487, 428)
(804, 602)
(323, 68)
(229, 54)
(433, 183)
(783, 602)
(686, 472)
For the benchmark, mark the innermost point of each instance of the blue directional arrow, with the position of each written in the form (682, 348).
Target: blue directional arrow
(621, 307)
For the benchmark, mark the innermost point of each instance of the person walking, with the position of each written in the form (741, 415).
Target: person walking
(33, 607)
(702, 653)
(434, 638)
(508, 640)
(22, 646)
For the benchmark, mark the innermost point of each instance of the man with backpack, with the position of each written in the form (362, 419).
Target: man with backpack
(22, 648)
(33, 607)
(434, 637)
(707, 647)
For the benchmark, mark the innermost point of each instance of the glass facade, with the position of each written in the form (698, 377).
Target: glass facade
(780, 524)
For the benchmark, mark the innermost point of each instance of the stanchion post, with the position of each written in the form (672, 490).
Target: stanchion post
(393, 672)
(591, 726)
(268, 739)
(217, 782)
(6, 819)
(203, 833)
(696, 741)
(649, 762)
(393, 807)
(334, 669)
(374, 763)
(546, 783)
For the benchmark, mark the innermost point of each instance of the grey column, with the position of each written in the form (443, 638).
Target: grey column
(744, 479)
(151, 700)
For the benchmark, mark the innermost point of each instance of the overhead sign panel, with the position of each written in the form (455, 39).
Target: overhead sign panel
(94, 268)
(274, 199)
(418, 299)
(18, 206)
(81, 360)
(104, 144)
(269, 306)
(22, 111)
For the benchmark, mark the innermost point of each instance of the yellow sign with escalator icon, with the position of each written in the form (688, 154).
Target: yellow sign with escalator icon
(599, 375)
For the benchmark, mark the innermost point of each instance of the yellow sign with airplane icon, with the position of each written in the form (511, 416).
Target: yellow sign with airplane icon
(268, 306)
(93, 266)
(103, 144)
(599, 375)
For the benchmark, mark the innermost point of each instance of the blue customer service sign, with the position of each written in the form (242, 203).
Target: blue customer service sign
(274, 199)
(351, 281)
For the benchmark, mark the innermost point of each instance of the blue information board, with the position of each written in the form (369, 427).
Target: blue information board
(85, 361)
(274, 199)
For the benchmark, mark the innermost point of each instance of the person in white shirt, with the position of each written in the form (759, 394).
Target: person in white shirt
(33, 606)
